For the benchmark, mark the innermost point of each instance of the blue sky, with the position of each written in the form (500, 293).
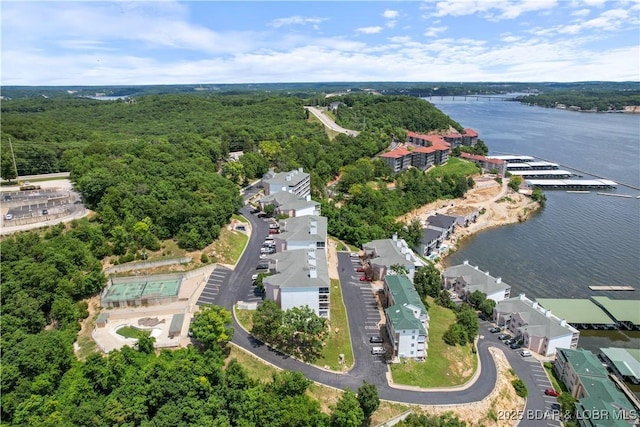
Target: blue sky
(166, 42)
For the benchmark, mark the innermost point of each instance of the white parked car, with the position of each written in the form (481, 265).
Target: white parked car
(8, 216)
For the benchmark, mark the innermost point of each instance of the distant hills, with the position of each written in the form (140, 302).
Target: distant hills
(305, 90)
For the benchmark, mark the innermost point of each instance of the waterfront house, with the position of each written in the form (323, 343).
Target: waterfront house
(486, 163)
(464, 279)
(301, 277)
(429, 242)
(598, 397)
(446, 224)
(540, 330)
(295, 181)
(407, 320)
(382, 254)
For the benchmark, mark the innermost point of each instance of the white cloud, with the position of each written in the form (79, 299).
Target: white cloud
(391, 24)
(390, 14)
(369, 30)
(435, 31)
(491, 9)
(296, 20)
(581, 12)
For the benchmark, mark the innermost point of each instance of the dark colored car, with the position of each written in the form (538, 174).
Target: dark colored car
(254, 211)
(494, 330)
(376, 340)
(551, 392)
(503, 337)
(508, 342)
(45, 212)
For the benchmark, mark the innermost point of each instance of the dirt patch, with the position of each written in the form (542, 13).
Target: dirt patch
(87, 325)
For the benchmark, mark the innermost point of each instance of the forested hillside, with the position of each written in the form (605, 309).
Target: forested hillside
(589, 99)
(157, 168)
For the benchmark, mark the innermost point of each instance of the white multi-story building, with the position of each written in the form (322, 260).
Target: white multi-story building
(407, 320)
(301, 278)
(384, 253)
(305, 232)
(539, 329)
(295, 181)
(289, 204)
(464, 279)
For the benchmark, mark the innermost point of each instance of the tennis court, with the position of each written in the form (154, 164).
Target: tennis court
(141, 290)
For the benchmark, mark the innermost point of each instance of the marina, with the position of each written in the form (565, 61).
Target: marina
(595, 313)
(542, 174)
(561, 184)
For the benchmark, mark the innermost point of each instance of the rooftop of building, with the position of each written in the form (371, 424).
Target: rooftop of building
(540, 322)
(299, 268)
(287, 201)
(303, 228)
(583, 362)
(407, 301)
(442, 221)
(475, 278)
(391, 251)
(290, 178)
(625, 360)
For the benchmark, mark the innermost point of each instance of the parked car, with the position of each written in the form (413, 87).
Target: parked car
(515, 346)
(508, 342)
(376, 340)
(360, 269)
(494, 330)
(7, 197)
(45, 211)
(254, 211)
(365, 279)
(377, 350)
(8, 216)
(503, 337)
(525, 353)
(274, 231)
(551, 392)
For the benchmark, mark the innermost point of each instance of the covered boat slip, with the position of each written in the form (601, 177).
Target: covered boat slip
(580, 313)
(626, 312)
(565, 184)
(542, 174)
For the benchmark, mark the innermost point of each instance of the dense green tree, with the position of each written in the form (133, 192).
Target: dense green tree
(211, 326)
(427, 281)
(267, 320)
(421, 420)
(347, 412)
(145, 343)
(368, 399)
(468, 319)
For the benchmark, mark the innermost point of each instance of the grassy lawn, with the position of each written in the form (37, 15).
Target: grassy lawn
(445, 366)
(343, 246)
(555, 382)
(256, 368)
(245, 318)
(229, 246)
(339, 339)
(455, 166)
(130, 332)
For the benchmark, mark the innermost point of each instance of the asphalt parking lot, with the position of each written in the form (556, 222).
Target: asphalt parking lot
(217, 279)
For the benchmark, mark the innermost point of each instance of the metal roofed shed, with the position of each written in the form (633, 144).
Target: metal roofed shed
(176, 325)
(625, 361)
(582, 313)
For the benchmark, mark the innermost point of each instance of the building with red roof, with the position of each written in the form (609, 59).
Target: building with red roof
(486, 163)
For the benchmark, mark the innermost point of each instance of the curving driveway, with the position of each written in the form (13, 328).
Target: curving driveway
(237, 286)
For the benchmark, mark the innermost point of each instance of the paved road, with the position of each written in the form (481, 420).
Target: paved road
(330, 123)
(236, 285)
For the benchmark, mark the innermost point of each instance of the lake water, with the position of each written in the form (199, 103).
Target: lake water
(577, 240)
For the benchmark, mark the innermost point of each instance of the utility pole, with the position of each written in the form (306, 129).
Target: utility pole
(13, 156)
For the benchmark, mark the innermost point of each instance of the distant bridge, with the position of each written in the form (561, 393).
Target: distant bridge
(468, 97)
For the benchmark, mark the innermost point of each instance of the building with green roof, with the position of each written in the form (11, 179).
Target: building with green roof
(624, 311)
(625, 362)
(407, 320)
(600, 402)
(580, 313)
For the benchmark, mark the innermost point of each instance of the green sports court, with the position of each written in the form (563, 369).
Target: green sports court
(141, 290)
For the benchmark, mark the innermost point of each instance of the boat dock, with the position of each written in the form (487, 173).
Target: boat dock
(579, 313)
(595, 313)
(625, 312)
(611, 288)
(542, 174)
(564, 184)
